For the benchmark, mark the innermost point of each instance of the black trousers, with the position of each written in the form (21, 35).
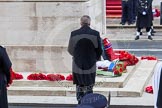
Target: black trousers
(134, 9)
(159, 97)
(82, 90)
(3, 94)
(127, 11)
(147, 29)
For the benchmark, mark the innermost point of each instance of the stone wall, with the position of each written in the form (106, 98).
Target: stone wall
(46, 22)
(53, 59)
(36, 33)
(156, 3)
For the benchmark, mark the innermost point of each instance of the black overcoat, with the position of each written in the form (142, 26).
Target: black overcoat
(144, 20)
(85, 47)
(159, 96)
(5, 65)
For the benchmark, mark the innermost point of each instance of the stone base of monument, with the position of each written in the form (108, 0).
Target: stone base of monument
(127, 91)
(130, 84)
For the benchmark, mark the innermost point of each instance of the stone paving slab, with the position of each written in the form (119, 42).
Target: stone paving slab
(145, 100)
(139, 79)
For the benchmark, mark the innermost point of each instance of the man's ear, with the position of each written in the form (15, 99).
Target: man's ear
(81, 24)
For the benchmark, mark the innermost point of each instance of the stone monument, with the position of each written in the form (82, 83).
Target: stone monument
(36, 33)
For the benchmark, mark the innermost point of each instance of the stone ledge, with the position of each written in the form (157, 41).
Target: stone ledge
(59, 91)
(146, 101)
(118, 26)
(101, 81)
(133, 88)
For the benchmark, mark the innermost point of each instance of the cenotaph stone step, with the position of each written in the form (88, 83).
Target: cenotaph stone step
(133, 88)
(101, 81)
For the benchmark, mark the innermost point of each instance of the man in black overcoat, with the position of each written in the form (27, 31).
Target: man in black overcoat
(157, 85)
(144, 17)
(85, 48)
(159, 96)
(5, 65)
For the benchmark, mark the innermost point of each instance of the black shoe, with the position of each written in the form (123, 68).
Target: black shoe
(137, 37)
(129, 23)
(141, 33)
(150, 38)
(122, 23)
(134, 21)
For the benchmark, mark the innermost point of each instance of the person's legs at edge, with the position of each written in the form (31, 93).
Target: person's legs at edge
(130, 12)
(134, 10)
(124, 13)
(138, 33)
(152, 29)
(79, 92)
(148, 30)
(89, 89)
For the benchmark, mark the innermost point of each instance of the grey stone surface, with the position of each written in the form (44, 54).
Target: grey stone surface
(45, 22)
(128, 34)
(156, 3)
(139, 78)
(40, 58)
(146, 100)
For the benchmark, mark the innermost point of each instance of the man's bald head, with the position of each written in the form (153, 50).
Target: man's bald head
(85, 20)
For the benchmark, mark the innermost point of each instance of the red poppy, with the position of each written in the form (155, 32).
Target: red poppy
(156, 12)
(149, 89)
(55, 77)
(69, 77)
(60, 77)
(15, 76)
(118, 70)
(37, 76)
(148, 58)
